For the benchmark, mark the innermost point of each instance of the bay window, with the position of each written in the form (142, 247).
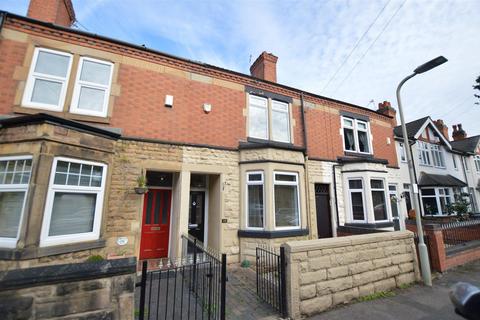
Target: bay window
(92, 87)
(378, 199)
(255, 200)
(46, 85)
(424, 153)
(357, 197)
(14, 179)
(286, 200)
(268, 119)
(476, 159)
(437, 156)
(356, 135)
(73, 209)
(436, 200)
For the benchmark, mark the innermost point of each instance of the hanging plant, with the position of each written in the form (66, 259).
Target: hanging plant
(141, 187)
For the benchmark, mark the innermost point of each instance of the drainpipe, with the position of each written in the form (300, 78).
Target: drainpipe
(305, 156)
(335, 193)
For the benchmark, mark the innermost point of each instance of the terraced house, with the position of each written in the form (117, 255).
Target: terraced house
(232, 159)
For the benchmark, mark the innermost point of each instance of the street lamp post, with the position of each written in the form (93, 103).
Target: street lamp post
(422, 248)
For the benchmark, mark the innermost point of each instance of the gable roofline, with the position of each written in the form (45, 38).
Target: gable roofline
(416, 130)
(7, 14)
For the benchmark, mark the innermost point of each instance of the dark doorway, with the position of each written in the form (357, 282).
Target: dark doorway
(322, 200)
(196, 217)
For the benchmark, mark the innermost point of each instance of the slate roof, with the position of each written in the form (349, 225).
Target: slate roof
(439, 180)
(412, 128)
(466, 145)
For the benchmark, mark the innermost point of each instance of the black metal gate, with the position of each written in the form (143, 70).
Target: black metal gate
(271, 278)
(191, 288)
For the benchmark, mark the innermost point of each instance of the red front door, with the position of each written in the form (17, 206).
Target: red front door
(156, 224)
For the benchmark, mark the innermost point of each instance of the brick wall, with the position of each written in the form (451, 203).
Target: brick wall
(327, 272)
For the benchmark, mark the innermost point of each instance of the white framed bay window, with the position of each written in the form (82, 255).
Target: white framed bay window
(377, 187)
(357, 199)
(255, 200)
(14, 179)
(92, 87)
(73, 210)
(47, 81)
(286, 200)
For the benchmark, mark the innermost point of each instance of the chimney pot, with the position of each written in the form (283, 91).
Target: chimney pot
(54, 11)
(265, 67)
(442, 127)
(458, 132)
(386, 108)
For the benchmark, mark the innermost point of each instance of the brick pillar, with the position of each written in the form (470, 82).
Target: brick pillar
(436, 247)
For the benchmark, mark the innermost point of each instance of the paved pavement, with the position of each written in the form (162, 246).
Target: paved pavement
(415, 303)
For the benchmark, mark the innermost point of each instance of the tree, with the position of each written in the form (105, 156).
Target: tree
(477, 87)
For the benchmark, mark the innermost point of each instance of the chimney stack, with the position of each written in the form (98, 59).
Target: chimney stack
(458, 132)
(59, 12)
(442, 127)
(265, 67)
(386, 108)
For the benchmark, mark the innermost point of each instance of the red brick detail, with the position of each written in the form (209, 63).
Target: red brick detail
(55, 11)
(12, 55)
(442, 127)
(265, 67)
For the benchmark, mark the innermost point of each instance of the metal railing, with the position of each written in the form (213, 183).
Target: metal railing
(271, 277)
(192, 287)
(460, 232)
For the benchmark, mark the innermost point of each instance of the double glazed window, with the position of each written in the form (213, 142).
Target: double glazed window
(47, 83)
(476, 159)
(74, 202)
(357, 198)
(435, 201)
(454, 158)
(286, 205)
(437, 155)
(268, 119)
(403, 156)
(424, 153)
(356, 137)
(255, 200)
(378, 199)
(14, 178)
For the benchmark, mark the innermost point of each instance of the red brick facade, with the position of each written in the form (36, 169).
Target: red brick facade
(140, 112)
(55, 11)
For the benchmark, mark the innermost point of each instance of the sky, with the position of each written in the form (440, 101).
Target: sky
(355, 51)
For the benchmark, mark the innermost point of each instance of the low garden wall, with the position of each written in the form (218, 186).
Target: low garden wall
(327, 272)
(90, 290)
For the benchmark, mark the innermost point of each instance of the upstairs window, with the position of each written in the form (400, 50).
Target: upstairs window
(275, 127)
(476, 159)
(437, 156)
(14, 178)
(465, 164)
(74, 203)
(356, 135)
(403, 157)
(454, 158)
(47, 82)
(92, 87)
(255, 200)
(424, 153)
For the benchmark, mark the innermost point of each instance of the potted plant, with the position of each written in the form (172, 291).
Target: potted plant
(141, 187)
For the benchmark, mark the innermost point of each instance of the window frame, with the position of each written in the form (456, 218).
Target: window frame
(454, 158)
(465, 164)
(286, 183)
(424, 154)
(437, 197)
(287, 112)
(32, 76)
(437, 156)
(74, 108)
(267, 129)
(476, 161)
(403, 154)
(11, 243)
(364, 203)
(253, 183)
(356, 129)
(45, 239)
(385, 196)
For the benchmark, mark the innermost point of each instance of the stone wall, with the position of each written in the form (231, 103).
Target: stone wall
(327, 272)
(92, 290)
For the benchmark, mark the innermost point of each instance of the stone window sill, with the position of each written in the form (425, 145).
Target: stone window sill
(38, 252)
(272, 234)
